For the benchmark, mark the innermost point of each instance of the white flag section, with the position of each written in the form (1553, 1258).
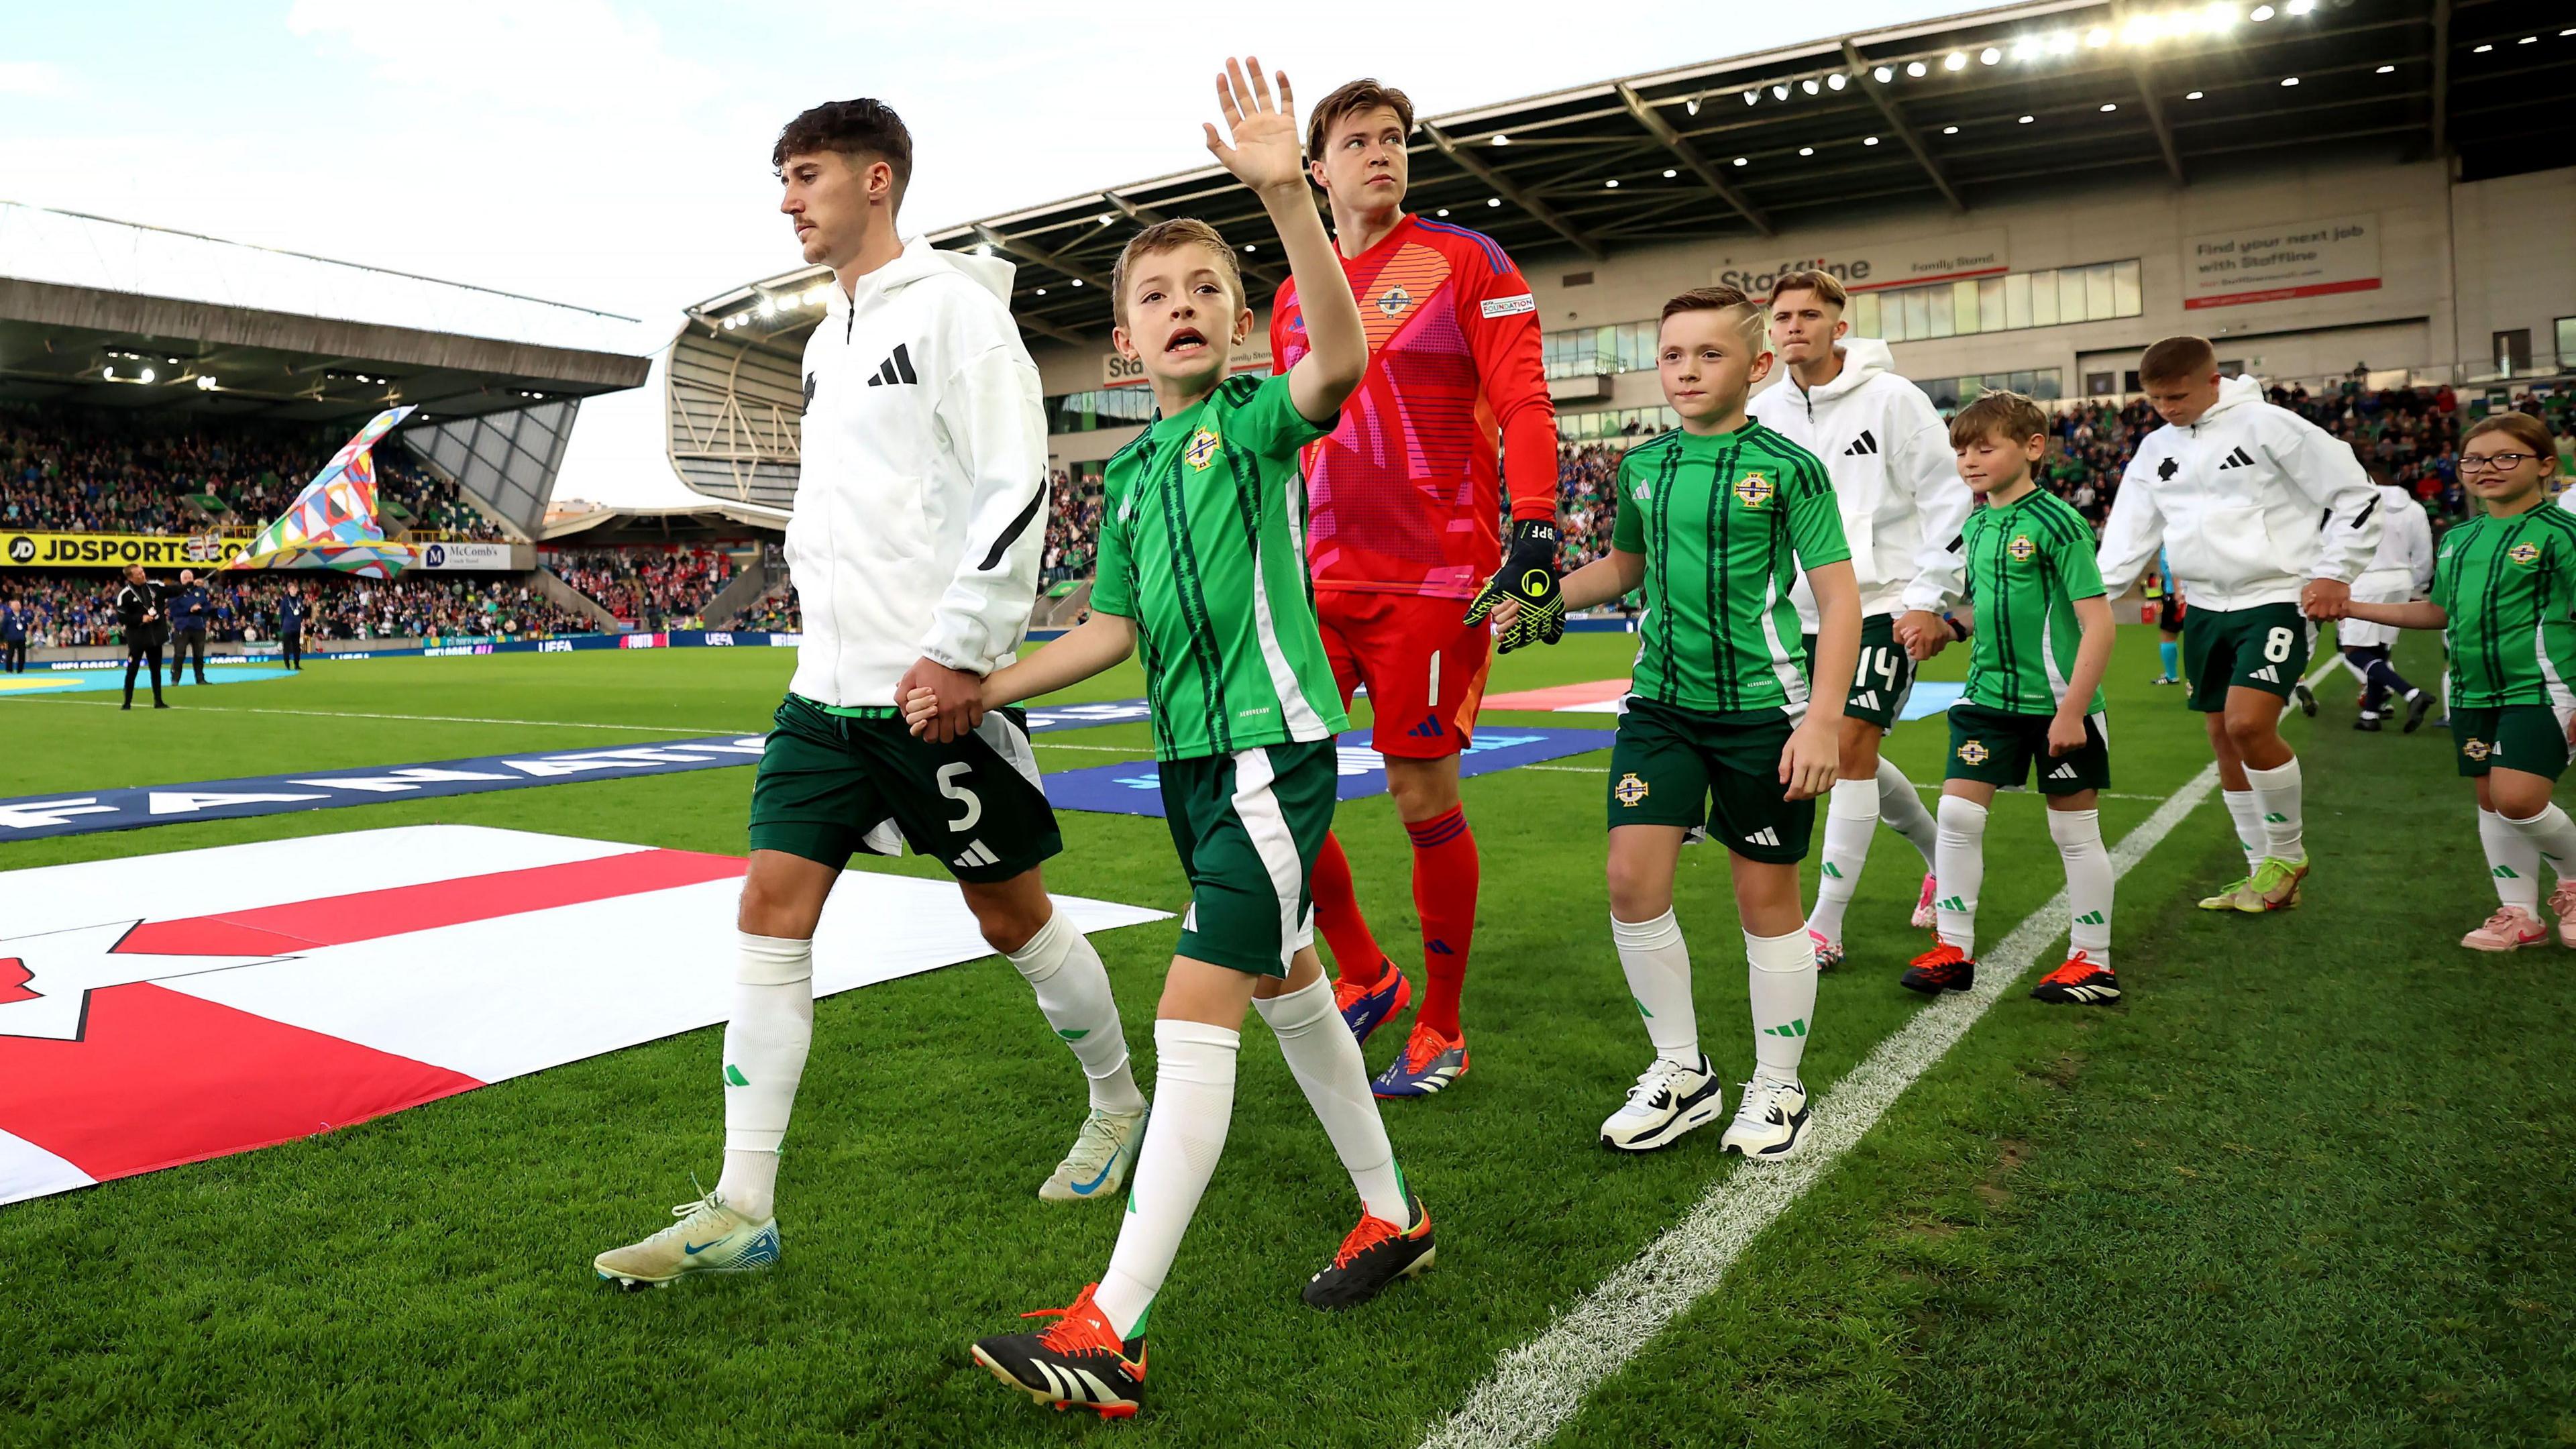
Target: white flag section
(290, 987)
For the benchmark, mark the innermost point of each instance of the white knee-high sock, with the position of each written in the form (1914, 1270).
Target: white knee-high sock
(1851, 818)
(2246, 814)
(1783, 988)
(2552, 834)
(1901, 809)
(1194, 1092)
(2513, 860)
(764, 1057)
(1656, 962)
(1073, 991)
(1325, 1059)
(2078, 834)
(2277, 792)
(1962, 870)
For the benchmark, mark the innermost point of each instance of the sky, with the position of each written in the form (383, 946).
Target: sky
(614, 154)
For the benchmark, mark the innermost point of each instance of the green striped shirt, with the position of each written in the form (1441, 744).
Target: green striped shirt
(2509, 587)
(2028, 562)
(1202, 544)
(1718, 519)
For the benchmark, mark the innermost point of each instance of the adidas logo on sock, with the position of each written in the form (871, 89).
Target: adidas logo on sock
(1950, 903)
(1787, 1028)
(895, 370)
(2090, 918)
(976, 853)
(2506, 872)
(1764, 836)
(2276, 818)
(2237, 458)
(2267, 673)
(1829, 870)
(1863, 446)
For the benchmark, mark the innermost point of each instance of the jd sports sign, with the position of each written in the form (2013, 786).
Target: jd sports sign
(96, 550)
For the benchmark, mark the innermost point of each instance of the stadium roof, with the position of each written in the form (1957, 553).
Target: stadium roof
(1943, 112)
(108, 313)
(605, 524)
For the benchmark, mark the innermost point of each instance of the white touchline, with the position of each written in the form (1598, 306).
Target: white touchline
(1536, 1387)
(1935, 789)
(565, 724)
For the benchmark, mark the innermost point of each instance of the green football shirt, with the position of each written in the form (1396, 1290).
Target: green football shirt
(1718, 519)
(2028, 562)
(1202, 544)
(2509, 587)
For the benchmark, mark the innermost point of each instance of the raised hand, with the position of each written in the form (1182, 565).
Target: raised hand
(1264, 155)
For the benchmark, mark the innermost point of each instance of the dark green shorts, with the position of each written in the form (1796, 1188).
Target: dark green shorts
(1997, 748)
(1884, 677)
(1668, 763)
(826, 781)
(2531, 738)
(1248, 826)
(2264, 647)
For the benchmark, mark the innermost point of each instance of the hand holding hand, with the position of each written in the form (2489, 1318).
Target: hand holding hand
(1922, 633)
(957, 699)
(2326, 599)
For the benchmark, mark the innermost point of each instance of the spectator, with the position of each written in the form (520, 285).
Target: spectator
(646, 585)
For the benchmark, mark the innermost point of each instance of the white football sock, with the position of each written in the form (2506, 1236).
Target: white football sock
(1901, 809)
(2247, 816)
(764, 1056)
(1851, 818)
(1194, 1092)
(2078, 834)
(1962, 870)
(1783, 987)
(1657, 964)
(2552, 834)
(1325, 1059)
(1073, 991)
(2277, 791)
(2513, 860)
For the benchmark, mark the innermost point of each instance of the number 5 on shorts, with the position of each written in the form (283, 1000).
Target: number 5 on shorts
(949, 787)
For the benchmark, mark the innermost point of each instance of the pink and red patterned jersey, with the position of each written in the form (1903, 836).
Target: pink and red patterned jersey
(1402, 497)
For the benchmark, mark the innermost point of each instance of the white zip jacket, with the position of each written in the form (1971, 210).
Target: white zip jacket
(1895, 476)
(2249, 503)
(919, 515)
(2401, 568)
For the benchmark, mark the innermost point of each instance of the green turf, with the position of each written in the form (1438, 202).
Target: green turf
(2302, 1187)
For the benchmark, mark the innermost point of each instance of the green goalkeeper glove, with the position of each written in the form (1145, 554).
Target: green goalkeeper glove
(1528, 578)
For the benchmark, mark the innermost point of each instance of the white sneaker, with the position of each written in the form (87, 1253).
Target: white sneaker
(708, 1238)
(1668, 1100)
(1102, 1152)
(1769, 1122)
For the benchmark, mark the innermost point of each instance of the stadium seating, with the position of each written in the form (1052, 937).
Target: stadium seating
(72, 610)
(640, 585)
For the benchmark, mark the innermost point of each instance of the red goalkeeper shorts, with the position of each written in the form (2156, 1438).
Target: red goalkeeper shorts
(1424, 669)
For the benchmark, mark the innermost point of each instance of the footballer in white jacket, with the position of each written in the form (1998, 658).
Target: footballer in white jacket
(2401, 571)
(914, 545)
(1896, 479)
(2264, 518)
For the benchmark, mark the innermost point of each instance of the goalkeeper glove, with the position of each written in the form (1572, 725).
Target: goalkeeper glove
(1528, 578)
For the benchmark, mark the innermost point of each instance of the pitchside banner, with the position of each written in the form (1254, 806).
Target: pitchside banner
(1135, 789)
(290, 987)
(106, 550)
(2307, 257)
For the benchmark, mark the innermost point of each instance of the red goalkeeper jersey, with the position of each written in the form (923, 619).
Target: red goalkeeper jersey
(1404, 495)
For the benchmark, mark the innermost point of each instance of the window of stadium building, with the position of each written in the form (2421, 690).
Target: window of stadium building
(1615, 425)
(1999, 304)
(1586, 351)
(1948, 393)
(1107, 407)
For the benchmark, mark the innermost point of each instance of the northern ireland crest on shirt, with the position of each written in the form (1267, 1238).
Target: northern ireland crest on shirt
(1754, 490)
(2524, 553)
(2021, 548)
(1394, 300)
(1202, 449)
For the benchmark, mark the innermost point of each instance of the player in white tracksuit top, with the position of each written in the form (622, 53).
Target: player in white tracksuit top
(2400, 571)
(2265, 518)
(1896, 479)
(914, 547)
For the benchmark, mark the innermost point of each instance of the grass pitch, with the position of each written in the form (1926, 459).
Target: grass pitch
(2309, 1183)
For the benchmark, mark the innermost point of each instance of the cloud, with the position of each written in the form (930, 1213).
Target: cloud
(563, 55)
(33, 78)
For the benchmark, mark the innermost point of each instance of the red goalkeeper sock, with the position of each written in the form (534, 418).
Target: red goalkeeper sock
(1444, 895)
(1356, 956)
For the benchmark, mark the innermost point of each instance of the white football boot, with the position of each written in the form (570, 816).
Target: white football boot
(1097, 1166)
(1769, 1122)
(708, 1237)
(1668, 1100)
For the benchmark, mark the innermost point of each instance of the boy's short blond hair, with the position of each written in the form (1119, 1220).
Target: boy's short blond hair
(1811, 280)
(1755, 325)
(1168, 236)
(2001, 414)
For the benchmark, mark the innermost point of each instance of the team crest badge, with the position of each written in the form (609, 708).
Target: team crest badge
(2476, 749)
(2523, 553)
(2021, 548)
(1202, 449)
(1630, 790)
(1394, 300)
(1974, 752)
(1754, 489)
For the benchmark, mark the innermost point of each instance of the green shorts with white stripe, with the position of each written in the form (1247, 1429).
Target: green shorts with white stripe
(1248, 826)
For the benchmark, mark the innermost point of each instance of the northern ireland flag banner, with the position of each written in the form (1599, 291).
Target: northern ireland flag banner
(289, 987)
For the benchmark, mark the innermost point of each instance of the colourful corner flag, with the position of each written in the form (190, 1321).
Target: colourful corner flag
(332, 523)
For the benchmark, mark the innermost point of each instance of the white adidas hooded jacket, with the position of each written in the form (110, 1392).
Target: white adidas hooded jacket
(920, 506)
(1895, 476)
(2249, 503)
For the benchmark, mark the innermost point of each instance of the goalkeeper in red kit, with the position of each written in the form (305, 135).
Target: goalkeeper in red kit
(1402, 537)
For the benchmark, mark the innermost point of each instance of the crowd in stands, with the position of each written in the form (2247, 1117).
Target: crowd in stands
(655, 587)
(74, 471)
(774, 612)
(68, 610)
(1073, 522)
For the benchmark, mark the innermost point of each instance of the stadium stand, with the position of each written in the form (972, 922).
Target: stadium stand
(645, 584)
(72, 611)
